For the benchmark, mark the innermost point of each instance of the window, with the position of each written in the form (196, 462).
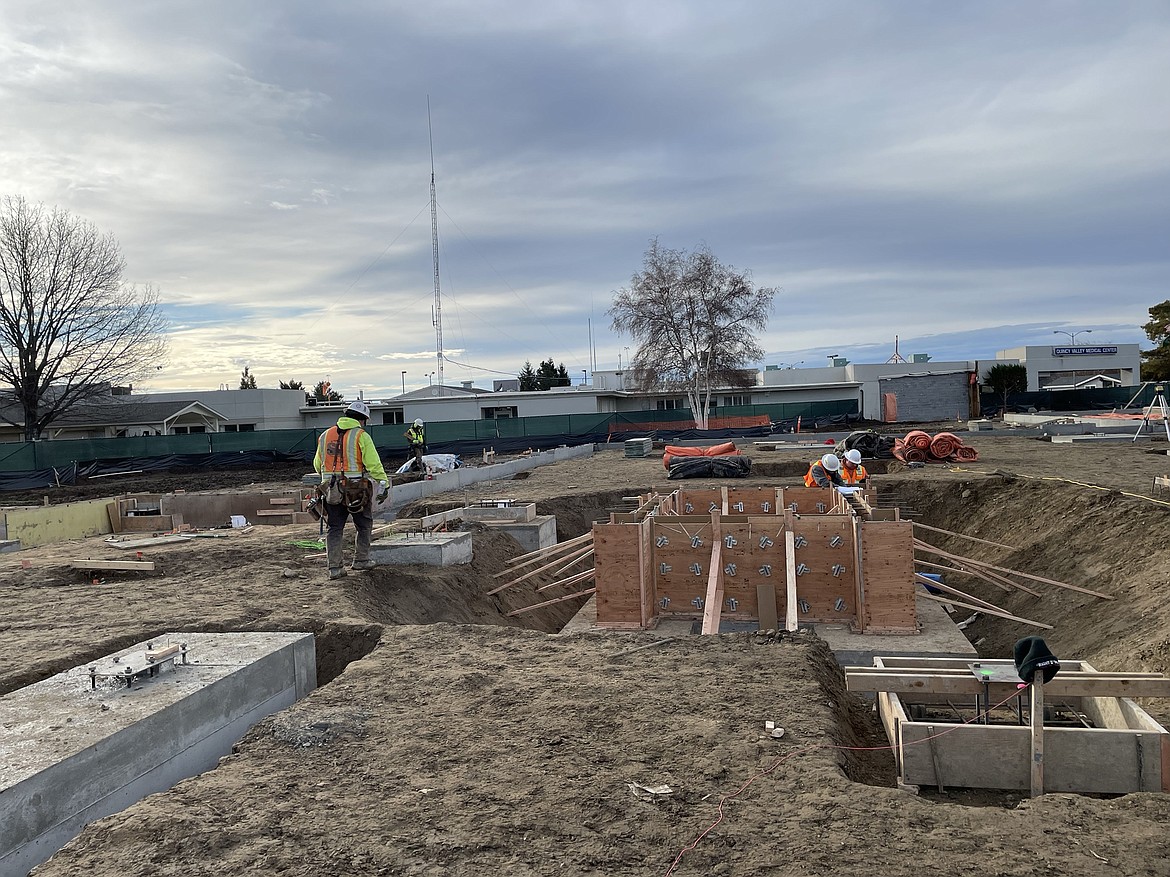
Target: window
(500, 412)
(239, 427)
(189, 430)
(729, 401)
(670, 404)
(392, 416)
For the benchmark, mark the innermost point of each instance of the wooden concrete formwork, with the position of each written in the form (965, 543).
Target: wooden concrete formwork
(766, 553)
(1125, 749)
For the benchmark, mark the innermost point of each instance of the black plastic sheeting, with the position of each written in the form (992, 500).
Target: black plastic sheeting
(869, 443)
(729, 466)
(469, 448)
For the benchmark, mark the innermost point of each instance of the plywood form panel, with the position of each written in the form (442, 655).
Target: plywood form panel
(751, 551)
(809, 500)
(616, 560)
(752, 501)
(681, 560)
(825, 563)
(699, 501)
(887, 569)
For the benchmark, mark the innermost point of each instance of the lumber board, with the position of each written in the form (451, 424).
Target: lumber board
(525, 559)
(907, 682)
(713, 602)
(922, 526)
(1002, 582)
(948, 589)
(133, 544)
(571, 580)
(139, 565)
(791, 611)
(996, 612)
(967, 572)
(585, 593)
(1014, 572)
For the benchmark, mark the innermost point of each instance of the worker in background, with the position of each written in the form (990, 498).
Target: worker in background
(852, 472)
(350, 467)
(825, 472)
(416, 437)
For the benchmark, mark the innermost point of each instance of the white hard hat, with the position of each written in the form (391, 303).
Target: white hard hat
(358, 408)
(418, 421)
(853, 456)
(830, 462)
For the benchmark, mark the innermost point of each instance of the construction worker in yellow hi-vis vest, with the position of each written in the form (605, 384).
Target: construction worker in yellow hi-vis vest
(349, 466)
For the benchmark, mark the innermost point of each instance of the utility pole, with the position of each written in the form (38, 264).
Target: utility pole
(438, 315)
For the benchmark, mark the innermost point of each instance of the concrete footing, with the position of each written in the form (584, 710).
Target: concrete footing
(939, 637)
(431, 549)
(533, 535)
(75, 749)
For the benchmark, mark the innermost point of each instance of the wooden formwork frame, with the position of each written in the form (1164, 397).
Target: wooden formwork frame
(1125, 751)
(754, 554)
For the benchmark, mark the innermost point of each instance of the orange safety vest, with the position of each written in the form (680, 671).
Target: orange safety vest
(853, 476)
(809, 481)
(340, 451)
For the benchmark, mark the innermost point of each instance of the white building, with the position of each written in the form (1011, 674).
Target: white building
(1069, 367)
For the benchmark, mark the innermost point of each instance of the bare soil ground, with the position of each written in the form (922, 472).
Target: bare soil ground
(450, 739)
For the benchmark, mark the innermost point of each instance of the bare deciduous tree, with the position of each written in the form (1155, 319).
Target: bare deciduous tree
(69, 326)
(693, 319)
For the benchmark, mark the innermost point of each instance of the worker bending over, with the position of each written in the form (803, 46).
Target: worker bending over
(825, 472)
(349, 466)
(852, 472)
(416, 437)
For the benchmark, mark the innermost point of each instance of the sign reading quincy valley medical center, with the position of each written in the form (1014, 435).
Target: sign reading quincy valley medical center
(1084, 351)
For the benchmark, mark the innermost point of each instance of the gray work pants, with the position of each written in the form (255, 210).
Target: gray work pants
(337, 515)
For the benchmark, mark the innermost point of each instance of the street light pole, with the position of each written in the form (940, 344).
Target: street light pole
(404, 383)
(1072, 336)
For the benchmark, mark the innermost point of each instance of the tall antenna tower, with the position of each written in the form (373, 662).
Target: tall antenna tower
(437, 312)
(897, 357)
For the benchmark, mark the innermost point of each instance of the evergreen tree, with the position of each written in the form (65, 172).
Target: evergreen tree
(1156, 362)
(247, 380)
(1005, 378)
(527, 378)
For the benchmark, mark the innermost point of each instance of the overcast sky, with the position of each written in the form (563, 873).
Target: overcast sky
(968, 176)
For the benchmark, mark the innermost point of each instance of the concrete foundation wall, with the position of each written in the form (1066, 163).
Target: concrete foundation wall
(58, 523)
(70, 754)
(404, 494)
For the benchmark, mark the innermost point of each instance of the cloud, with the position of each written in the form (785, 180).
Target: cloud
(987, 172)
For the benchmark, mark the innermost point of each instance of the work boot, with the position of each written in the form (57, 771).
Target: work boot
(364, 564)
(337, 573)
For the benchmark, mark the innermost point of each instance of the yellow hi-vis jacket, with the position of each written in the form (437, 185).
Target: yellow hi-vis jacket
(347, 449)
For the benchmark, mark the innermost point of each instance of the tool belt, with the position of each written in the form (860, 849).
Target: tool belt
(353, 493)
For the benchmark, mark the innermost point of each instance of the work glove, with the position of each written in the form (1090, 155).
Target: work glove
(383, 492)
